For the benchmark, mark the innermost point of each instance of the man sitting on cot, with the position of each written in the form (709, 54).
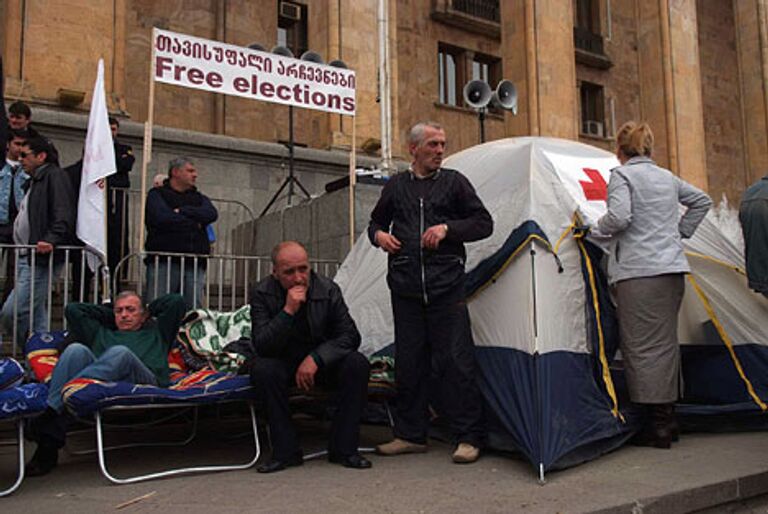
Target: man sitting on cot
(124, 342)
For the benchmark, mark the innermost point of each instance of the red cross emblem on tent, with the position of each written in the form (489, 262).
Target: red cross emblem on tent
(595, 188)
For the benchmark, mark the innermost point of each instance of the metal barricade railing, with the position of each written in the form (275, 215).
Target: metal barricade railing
(234, 228)
(37, 287)
(217, 282)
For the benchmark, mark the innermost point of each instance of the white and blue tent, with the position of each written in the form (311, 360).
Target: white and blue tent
(542, 320)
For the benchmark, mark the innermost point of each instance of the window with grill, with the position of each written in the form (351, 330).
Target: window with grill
(292, 26)
(486, 9)
(592, 109)
(586, 31)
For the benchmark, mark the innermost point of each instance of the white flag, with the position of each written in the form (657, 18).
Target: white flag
(98, 163)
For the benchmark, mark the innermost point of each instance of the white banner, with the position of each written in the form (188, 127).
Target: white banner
(586, 180)
(234, 70)
(98, 163)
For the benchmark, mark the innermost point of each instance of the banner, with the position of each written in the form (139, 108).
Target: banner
(233, 70)
(98, 163)
(586, 180)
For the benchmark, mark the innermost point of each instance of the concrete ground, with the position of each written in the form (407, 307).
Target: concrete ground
(708, 472)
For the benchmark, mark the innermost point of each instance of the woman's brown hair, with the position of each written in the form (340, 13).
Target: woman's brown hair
(635, 139)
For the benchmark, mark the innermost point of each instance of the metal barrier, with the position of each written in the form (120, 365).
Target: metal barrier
(218, 282)
(235, 228)
(36, 288)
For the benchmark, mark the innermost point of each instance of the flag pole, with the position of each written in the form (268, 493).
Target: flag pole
(147, 150)
(106, 294)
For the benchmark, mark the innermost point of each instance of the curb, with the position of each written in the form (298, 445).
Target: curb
(696, 498)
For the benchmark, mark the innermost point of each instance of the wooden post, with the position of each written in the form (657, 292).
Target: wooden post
(147, 151)
(352, 183)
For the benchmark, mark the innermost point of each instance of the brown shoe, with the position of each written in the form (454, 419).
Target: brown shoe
(465, 453)
(399, 446)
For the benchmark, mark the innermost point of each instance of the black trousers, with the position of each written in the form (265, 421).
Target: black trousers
(349, 377)
(435, 341)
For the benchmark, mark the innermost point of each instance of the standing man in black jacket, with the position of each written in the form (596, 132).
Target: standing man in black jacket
(117, 202)
(177, 215)
(422, 220)
(303, 335)
(46, 219)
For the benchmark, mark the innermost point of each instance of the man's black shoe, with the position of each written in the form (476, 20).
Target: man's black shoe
(275, 465)
(43, 461)
(355, 461)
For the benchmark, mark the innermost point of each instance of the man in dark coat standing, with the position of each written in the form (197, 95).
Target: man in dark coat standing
(422, 220)
(117, 203)
(177, 216)
(303, 335)
(753, 215)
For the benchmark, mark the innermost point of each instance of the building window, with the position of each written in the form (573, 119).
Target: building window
(457, 66)
(449, 59)
(292, 26)
(485, 9)
(592, 110)
(586, 31)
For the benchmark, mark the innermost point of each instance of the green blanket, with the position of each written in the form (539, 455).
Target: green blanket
(204, 334)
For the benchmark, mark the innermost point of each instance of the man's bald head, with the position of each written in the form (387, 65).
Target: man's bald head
(290, 264)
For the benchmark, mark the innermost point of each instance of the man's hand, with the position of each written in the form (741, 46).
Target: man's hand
(387, 242)
(43, 247)
(305, 375)
(294, 298)
(433, 235)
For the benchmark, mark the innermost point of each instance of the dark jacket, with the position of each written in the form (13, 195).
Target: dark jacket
(124, 160)
(51, 206)
(333, 331)
(753, 214)
(183, 231)
(410, 206)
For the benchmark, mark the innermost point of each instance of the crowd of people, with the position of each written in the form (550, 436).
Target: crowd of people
(302, 333)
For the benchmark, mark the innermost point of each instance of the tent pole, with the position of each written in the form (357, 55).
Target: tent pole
(542, 480)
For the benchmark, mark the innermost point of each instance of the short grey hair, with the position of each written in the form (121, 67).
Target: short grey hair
(177, 163)
(284, 244)
(416, 134)
(129, 294)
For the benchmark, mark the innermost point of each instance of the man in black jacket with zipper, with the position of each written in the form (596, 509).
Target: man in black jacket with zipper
(46, 219)
(303, 336)
(177, 216)
(422, 220)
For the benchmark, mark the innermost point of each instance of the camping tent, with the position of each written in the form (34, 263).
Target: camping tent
(542, 320)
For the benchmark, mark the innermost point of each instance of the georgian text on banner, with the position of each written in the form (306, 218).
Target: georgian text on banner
(233, 70)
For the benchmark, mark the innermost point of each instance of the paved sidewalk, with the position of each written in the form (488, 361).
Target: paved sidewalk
(701, 472)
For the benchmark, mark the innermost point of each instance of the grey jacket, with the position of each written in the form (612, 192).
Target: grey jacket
(753, 214)
(644, 220)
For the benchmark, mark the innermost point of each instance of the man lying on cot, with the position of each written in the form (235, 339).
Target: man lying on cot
(124, 342)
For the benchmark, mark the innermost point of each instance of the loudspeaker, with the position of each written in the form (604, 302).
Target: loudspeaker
(311, 56)
(338, 63)
(505, 96)
(282, 50)
(257, 47)
(477, 93)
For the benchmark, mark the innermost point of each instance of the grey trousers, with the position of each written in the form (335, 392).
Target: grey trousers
(648, 310)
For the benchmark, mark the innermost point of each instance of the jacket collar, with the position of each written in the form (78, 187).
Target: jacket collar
(41, 172)
(639, 159)
(432, 176)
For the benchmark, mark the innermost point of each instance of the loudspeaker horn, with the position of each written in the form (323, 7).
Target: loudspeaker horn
(282, 50)
(477, 93)
(338, 63)
(311, 56)
(257, 47)
(505, 96)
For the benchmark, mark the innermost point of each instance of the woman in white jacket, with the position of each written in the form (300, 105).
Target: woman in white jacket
(646, 268)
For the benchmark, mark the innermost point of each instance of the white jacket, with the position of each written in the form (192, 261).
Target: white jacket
(645, 222)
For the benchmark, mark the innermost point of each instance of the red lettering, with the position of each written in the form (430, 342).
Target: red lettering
(318, 98)
(214, 79)
(240, 84)
(283, 92)
(162, 64)
(349, 104)
(267, 89)
(177, 69)
(195, 76)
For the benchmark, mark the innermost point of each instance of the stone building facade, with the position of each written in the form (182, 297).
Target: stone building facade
(695, 69)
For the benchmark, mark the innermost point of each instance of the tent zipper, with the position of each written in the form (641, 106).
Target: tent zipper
(421, 252)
